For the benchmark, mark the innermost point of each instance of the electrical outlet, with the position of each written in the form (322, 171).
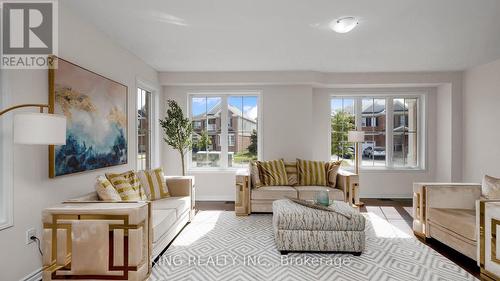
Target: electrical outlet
(30, 233)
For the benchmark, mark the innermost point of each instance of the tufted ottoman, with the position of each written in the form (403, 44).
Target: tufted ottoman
(300, 228)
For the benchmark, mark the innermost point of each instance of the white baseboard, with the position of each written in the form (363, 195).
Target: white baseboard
(214, 198)
(388, 196)
(374, 196)
(33, 276)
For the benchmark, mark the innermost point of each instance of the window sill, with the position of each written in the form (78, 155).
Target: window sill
(387, 170)
(216, 170)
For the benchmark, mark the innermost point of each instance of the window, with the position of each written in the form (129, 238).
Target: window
(342, 121)
(405, 140)
(391, 126)
(144, 144)
(224, 146)
(231, 140)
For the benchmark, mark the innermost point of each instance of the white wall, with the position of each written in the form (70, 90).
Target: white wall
(481, 106)
(296, 121)
(81, 43)
(286, 121)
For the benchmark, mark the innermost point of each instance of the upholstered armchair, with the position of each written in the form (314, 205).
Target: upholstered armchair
(447, 212)
(457, 215)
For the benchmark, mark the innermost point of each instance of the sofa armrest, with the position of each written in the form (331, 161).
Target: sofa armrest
(452, 195)
(346, 181)
(179, 185)
(441, 195)
(75, 234)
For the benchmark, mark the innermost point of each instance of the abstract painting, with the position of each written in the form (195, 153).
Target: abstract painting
(96, 112)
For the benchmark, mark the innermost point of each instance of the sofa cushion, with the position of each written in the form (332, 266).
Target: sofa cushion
(162, 220)
(311, 172)
(179, 204)
(490, 187)
(128, 186)
(105, 190)
(309, 192)
(153, 182)
(332, 169)
(291, 173)
(460, 221)
(273, 192)
(254, 172)
(273, 172)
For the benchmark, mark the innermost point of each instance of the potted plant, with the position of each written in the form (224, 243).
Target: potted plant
(177, 131)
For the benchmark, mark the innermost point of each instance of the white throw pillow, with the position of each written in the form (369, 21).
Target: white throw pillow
(490, 187)
(105, 190)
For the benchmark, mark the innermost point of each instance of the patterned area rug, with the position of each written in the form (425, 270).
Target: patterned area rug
(217, 245)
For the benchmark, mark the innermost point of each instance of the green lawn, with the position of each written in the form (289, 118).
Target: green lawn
(244, 157)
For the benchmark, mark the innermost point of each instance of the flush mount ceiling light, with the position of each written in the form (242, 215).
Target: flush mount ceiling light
(344, 25)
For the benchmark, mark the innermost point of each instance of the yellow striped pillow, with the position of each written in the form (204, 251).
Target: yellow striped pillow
(273, 172)
(128, 186)
(332, 169)
(291, 172)
(105, 190)
(153, 182)
(311, 172)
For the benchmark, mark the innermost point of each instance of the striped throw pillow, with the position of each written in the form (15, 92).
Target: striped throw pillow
(291, 172)
(255, 175)
(332, 169)
(273, 172)
(105, 190)
(128, 186)
(311, 172)
(153, 182)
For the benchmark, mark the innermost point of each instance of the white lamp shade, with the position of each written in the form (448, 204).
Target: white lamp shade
(356, 136)
(39, 128)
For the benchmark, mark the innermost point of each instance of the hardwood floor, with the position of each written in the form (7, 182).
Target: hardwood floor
(395, 211)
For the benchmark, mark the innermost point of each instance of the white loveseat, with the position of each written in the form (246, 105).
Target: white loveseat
(168, 215)
(86, 238)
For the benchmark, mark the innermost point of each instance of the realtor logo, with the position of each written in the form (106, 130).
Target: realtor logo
(28, 36)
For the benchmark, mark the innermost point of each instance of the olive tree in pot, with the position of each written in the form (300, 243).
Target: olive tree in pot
(177, 131)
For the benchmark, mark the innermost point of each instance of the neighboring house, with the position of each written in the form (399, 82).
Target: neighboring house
(239, 130)
(374, 117)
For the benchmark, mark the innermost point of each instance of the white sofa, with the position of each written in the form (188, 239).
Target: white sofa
(85, 238)
(168, 215)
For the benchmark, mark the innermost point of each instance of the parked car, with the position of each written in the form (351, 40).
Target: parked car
(376, 152)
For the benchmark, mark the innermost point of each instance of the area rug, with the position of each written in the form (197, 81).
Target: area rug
(217, 245)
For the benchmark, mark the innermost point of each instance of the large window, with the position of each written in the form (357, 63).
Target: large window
(216, 145)
(391, 125)
(144, 140)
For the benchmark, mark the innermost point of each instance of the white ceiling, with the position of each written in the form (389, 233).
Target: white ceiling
(240, 35)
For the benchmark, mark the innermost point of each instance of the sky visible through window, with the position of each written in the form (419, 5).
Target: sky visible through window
(249, 107)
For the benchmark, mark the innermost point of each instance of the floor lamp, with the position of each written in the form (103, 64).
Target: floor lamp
(38, 128)
(356, 137)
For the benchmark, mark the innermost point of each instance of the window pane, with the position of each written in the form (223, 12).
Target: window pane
(143, 129)
(342, 121)
(405, 140)
(206, 118)
(242, 130)
(373, 123)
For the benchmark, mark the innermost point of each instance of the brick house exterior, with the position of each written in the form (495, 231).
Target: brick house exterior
(239, 130)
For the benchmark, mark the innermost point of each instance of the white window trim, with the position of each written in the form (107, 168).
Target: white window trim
(421, 94)
(7, 174)
(224, 95)
(155, 126)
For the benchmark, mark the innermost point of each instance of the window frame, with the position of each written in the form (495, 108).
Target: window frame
(154, 126)
(224, 141)
(390, 95)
